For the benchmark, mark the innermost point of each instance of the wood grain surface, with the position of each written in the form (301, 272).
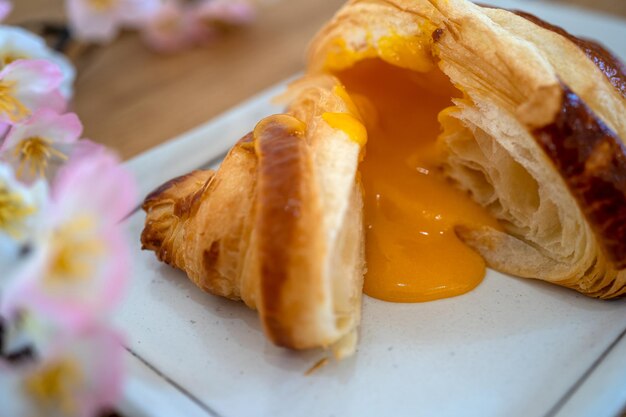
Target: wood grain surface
(131, 99)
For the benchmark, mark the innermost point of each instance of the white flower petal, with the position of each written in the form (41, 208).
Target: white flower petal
(34, 198)
(18, 43)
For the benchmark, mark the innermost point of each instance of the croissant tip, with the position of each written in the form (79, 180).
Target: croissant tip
(158, 192)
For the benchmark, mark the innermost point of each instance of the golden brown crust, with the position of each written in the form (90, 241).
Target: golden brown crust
(217, 231)
(171, 186)
(592, 161)
(195, 222)
(168, 206)
(612, 67)
(284, 198)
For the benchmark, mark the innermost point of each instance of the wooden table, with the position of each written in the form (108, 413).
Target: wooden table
(132, 99)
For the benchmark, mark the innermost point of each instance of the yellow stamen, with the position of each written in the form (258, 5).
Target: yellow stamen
(9, 104)
(102, 5)
(52, 387)
(75, 247)
(36, 152)
(9, 58)
(13, 211)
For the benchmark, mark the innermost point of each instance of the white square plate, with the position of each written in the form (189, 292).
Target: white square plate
(512, 347)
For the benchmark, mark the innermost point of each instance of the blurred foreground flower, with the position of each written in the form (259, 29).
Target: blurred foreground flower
(29, 85)
(58, 354)
(79, 271)
(18, 205)
(21, 210)
(5, 8)
(43, 139)
(100, 20)
(17, 43)
(63, 257)
(79, 377)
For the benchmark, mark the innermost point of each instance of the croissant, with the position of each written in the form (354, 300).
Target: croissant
(530, 118)
(278, 226)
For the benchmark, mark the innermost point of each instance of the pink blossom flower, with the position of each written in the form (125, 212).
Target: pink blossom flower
(28, 85)
(80, 269)
(225, 12)
(5, 8)
(81, 376)
(100, 20)
(173, 27)
(44, 139)
(18, 43)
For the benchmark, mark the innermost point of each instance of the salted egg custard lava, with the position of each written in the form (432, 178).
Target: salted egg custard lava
(410, 209)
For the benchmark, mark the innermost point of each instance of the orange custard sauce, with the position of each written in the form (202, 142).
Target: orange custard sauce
(412, 252)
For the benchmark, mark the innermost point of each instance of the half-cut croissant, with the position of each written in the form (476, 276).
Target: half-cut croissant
(278, 226)
(532, 132)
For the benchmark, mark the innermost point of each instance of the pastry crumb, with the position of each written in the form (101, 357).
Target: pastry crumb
(319, 364)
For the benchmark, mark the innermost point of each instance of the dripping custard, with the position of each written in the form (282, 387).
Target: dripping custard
(410, 209)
